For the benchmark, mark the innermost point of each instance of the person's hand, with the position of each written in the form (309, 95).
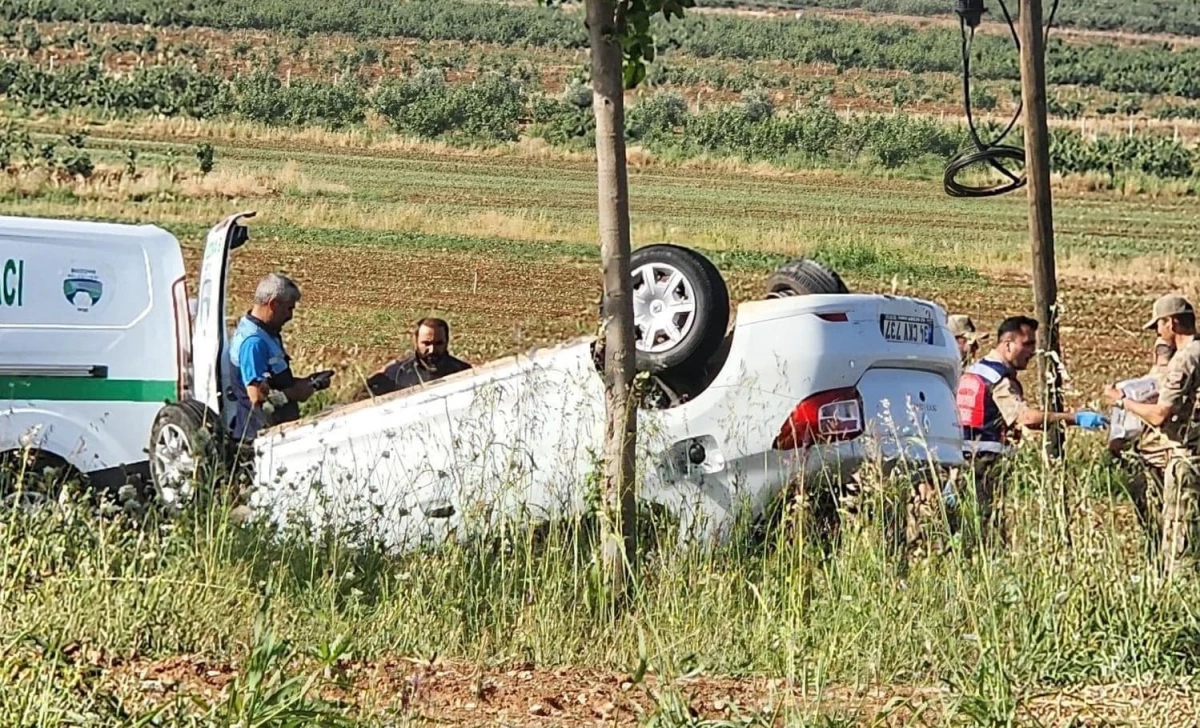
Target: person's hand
(1112, 395)
(1090, 420)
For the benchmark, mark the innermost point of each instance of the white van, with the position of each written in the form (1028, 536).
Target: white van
(95, 336)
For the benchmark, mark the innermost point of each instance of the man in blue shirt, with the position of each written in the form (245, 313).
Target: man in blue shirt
(261, 366)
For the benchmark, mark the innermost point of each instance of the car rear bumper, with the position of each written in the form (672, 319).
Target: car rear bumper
(709, 504)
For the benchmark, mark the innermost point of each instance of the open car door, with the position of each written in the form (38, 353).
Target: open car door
(210, 336)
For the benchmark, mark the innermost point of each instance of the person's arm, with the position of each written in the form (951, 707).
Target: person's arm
(1015, 411)
(1036, 419)
(300, 390)
(253, 358)
(384, 381)
(254, 362)
(1152, 413)
(1176, 379)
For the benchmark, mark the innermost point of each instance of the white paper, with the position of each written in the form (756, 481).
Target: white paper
(1122, 424)
(1142, 389)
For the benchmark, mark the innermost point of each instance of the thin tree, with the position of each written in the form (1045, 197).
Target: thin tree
(621, 44)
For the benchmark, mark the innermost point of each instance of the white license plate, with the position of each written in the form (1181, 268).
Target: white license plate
(906, 329)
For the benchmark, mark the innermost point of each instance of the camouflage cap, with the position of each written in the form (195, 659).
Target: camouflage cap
(962, 325)
(1171, 304)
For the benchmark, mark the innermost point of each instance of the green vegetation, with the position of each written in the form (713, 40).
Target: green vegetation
(398, 199)
(1138, 16)
(996, 628)
(1146, 68)
(496, 109)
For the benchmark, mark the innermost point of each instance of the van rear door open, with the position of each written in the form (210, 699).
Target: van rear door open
(210, 335)
(88, 340)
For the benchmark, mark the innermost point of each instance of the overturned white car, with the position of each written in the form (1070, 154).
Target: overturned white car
(811, 381)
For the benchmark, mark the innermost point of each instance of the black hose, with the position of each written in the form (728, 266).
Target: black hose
(993, 153)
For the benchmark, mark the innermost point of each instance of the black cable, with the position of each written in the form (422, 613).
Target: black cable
(992, 153)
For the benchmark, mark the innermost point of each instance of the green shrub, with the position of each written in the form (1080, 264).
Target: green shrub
(426, 106)
(656, 118)
(262, 97)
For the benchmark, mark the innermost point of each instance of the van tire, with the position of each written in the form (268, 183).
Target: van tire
(36, 489)
(187, 447)
(702, 327)
(804, 277)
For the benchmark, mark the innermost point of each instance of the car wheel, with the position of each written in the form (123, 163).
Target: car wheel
(680, 307)
(804, 277)
(185, 444)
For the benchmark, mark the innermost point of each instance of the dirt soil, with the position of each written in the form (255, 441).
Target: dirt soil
(360, 303)
(526, 695)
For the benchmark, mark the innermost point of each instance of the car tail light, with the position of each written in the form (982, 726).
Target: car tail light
(823, 417)
(183, 339)
(835, 317)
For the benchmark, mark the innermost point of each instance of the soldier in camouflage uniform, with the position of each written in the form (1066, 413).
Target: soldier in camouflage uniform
(993, 411)
(966, 337)
(1174, 437)
(1145, 459)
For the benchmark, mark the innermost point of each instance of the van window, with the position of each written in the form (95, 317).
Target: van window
(73, 284)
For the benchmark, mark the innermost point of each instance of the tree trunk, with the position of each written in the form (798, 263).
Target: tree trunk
(620, 436)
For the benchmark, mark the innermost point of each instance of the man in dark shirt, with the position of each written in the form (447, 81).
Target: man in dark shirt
(430, 360)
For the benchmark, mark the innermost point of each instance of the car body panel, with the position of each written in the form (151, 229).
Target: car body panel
(520, 438)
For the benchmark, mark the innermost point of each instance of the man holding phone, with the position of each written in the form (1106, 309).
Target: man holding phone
(265, 391)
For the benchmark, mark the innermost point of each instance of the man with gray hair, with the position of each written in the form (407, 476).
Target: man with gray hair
(262, 370)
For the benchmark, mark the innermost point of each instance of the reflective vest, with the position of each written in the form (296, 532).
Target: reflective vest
(983, 427)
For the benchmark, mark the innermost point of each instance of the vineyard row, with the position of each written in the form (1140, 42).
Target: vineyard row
(1135, 16)
(496, 109)
(1144, 68)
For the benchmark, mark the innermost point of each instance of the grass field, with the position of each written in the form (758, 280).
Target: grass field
(107, 618)
(478, 236)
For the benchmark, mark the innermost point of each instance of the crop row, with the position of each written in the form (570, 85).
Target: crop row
(1138, 16)
(496, 108)
(1147, 68)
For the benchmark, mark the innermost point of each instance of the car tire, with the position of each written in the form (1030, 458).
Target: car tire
(804, 277)
(187, 446)
(671, 276)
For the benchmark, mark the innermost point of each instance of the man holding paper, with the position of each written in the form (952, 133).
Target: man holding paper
(1145, 461)
(1172, 436)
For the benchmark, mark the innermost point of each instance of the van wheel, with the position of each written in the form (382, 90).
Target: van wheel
(680, 307)
(804, 277)
(185, 444)
(32, 479)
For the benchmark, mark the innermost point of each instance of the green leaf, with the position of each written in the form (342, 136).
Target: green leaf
(634, 72)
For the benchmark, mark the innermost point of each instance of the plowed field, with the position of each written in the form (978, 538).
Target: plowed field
(359, 304)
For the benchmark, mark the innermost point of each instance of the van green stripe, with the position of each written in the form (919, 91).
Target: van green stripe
(86, 389)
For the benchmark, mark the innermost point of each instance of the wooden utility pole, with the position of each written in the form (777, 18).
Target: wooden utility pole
(1041, 217)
